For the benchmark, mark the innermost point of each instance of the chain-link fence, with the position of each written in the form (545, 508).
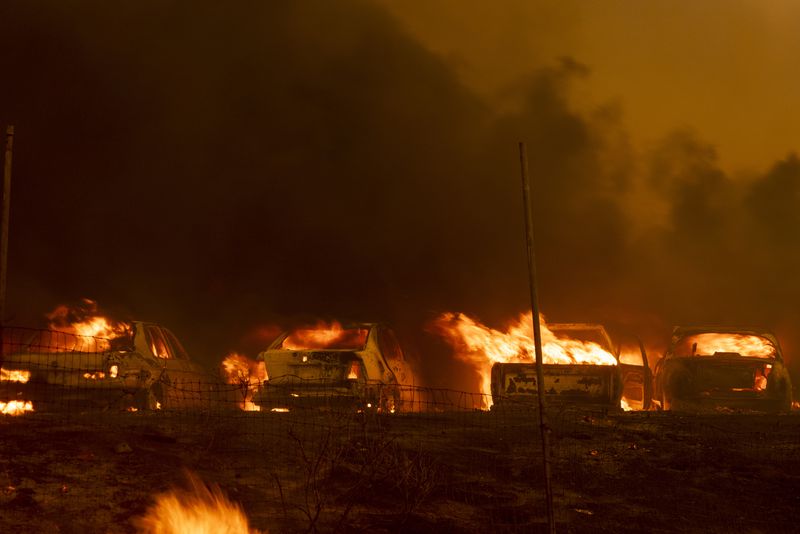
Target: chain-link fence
(93, 444)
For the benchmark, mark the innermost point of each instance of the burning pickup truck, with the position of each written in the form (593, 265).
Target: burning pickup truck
(721, 367)
(360, 364)
(581, 365)
(144, 367)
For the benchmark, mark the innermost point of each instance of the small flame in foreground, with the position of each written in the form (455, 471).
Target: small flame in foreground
(483, 346)
(200, 509)
(15, 407)
(248, 374)
(14, 375)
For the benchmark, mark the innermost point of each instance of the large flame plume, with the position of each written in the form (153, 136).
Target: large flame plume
(199, 509)
(86, 322)
(249, 375)
(483, 346)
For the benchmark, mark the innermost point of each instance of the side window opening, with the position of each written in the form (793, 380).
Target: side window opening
(389, 346)
(177, 349)
(157, 343)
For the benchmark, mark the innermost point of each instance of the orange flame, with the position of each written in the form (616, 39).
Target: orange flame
(743, 344)
(85, 320)
(201, 509)
(483, 346)
(241, 371)
(15, 407)
(326, 336)
(14, 375)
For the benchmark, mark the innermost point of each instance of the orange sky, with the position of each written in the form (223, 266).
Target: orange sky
(726, 68)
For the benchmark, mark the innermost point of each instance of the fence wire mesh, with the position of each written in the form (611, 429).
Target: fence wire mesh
(92, 445)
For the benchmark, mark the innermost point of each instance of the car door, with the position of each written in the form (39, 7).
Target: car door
(635, 374)
(393, 355)
(176, 376)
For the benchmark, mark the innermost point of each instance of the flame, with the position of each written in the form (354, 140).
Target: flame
(743, 344)
(200, 509)
(15, 407)
(85, 320)
(795, 405)
(326, 336)
(483, 346)
(623, 403)
(248, 374)
(14, 375)
(97, 375)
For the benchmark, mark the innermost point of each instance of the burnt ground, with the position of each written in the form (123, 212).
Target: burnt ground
(448, 472)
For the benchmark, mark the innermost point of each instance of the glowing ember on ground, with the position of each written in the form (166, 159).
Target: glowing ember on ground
(326, 336)
(248, 374)
(710, 344)
(483, 346)
(15, 407)
(14, 375)
(200, 509)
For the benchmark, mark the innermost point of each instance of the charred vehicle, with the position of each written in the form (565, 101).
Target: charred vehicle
(581, 367)
(722, 367)
(360, 364)
(144, 368)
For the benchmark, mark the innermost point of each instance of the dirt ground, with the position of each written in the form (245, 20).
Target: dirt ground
(459, 472)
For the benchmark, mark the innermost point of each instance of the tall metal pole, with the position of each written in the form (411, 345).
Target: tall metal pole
(4, 230)
(537, 335)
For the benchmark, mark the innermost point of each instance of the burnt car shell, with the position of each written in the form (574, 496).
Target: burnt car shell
(367, 372)
(585, 385)
(686, 380)
(144, 369)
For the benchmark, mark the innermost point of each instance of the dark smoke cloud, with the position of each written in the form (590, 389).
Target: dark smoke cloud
(219, 169)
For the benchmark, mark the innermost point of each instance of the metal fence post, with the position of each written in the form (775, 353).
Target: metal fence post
(537, 335)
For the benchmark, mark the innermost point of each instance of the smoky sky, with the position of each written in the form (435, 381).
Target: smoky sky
(217, 169)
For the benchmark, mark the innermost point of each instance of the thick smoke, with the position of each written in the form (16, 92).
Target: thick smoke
(218, 170)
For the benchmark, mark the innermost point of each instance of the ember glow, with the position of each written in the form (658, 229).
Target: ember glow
(15, 407)
(742, 344)
(14, 375)
(249, 375)
(200, 509)
(326, 336)
(483, 346)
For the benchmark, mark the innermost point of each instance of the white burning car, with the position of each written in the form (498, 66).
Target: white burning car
(144, 368)
(723, 367)
(360, 364)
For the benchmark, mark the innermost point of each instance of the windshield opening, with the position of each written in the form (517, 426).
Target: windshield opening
(711, 344)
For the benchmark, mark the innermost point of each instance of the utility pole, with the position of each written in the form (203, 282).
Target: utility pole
(4, 230)
(537, 336)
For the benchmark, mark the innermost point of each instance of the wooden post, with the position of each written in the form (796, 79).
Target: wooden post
(537, 336)
(4, 230)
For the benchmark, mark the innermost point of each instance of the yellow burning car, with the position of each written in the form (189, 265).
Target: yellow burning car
(330, 364)
(723, 368)
(144, 367)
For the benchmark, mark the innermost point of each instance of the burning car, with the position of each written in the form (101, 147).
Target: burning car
(581, 365)
(589, 372)
(722, 367)
(144, 367)
(332, 364)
